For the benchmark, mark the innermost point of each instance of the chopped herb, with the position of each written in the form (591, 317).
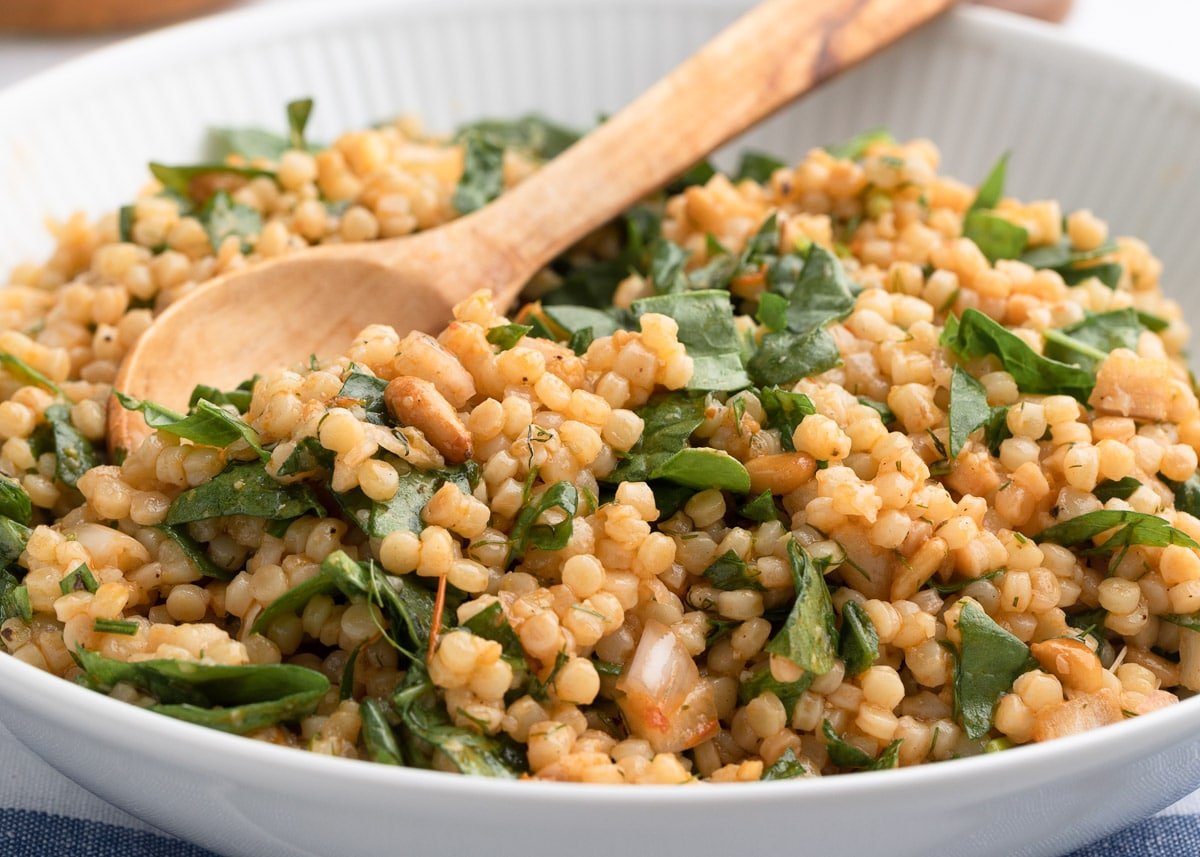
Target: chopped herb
(491, 624)
(704, 468)
(977, 335)
(607, 668)
(960, 585)
(378, 735)
(1191, 621)
(533, 134)
(1086, 343)
(207, 424)
(989, 661)
(115, 626)
(505, 336)
(669, 421)
(666, 267)
(991, 190)
(809, 636)
(859, 641)
(997, 237)
(240, 699)
(818, 294)
(377, 518)
(346, 685)
(125, 215)
(81, 579)
(996, 745)
(1187, 493)
(730, 572)
(1136, 528)
(969, 409)
(761, 681)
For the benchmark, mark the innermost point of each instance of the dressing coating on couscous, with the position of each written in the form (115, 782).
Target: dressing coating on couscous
(803, 470)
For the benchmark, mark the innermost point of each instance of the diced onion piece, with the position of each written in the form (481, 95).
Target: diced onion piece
(664, 700)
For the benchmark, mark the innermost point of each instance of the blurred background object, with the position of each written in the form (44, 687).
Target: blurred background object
(89, 16)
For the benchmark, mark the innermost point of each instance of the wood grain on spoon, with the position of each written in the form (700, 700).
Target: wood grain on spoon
(279, 311)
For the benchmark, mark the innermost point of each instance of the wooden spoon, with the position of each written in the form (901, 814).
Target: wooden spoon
(279, 311)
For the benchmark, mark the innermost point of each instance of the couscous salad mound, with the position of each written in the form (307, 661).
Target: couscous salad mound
(790, 472)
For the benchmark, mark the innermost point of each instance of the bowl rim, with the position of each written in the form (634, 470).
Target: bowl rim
(21, 682)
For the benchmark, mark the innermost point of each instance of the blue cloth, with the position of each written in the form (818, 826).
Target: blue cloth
(43, 814)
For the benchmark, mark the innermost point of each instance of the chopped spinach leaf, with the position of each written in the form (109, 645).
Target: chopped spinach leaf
(785, 411)
(762, 508)
(22, 371)
(757, 167)
(859, 640)
(960, 585)
(706, 329)
(471, 753)
(198, 182)
(125, 216)
(14, 502)
(885, 413)
(377, 518)
(704, 468)
(855, 149)
(491, 624)
(989, 661)
(483, 172)
(207, 424)
(772, 311)
(14, 599)
(846, 755)
(820, 292)
(531, 133)
(196, 554)
(991, 190)
(996, 237)
(560, 498)
(243, 489)
(730, 572)
(366, 391)
(788, 357)
(378, 735)
(307, 456)
(969, 409)
(1108, 273)
(786, 767)
(669, 421)
(977, 335)
(298, 112)
(1121, 488)
(239, 699)
(1086, 343)
(1136, 528)
(809, 635)
(239, 397)
(74, 453)
(1187, 493)
(666, 267)
(222, 217)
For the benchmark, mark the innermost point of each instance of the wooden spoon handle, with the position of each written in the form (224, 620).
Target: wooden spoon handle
(776, 52)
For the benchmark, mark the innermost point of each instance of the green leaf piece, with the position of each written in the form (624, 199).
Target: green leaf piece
(989, 661)
(757, 167)
(730, 572)
(74, 453)
(1132, 528)
(222, 217)
(207, 424)
(846, 755)
(239, 699)
(378, 736)
(529, 530)
(859, 641)
(785, 411)
(1121, 489)
(505, 336)
(786, 767)
(14, 502)
(243, 489)
(809, 635)
(977, 335)
(706, 329)
(483, 172)
(21, 370)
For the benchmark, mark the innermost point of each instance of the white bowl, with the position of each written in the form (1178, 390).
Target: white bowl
(1085, 128)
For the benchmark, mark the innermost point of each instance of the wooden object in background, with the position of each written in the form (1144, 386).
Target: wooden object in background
(90, 16)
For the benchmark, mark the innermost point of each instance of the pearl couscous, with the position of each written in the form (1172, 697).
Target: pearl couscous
(796, 471)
